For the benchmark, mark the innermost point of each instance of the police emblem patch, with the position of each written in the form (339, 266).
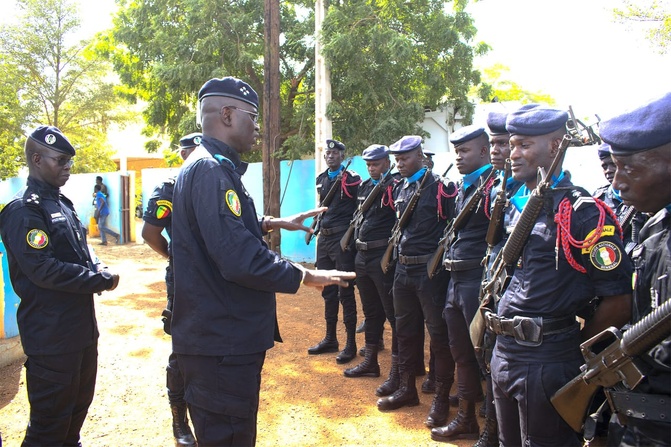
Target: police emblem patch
(233, 202)
(164, 209)
(37, 239)
(50, 138)
(605, 256)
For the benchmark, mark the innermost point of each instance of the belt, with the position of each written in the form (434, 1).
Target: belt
(651, 407)
(334, 230)
(364, 246)
(412, 260)
(460, 265)
(528, 331)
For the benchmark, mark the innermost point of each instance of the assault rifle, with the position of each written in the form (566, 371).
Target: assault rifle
(317, 220)
(612, 365)
(401, 223)
(455, 225)
(357, 219)
(581, 135)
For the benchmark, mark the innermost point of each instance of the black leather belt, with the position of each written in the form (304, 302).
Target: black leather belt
(334, 230)
(364, 246)
(528, 331)
(651, 407)
(412, 260)
(460, 265)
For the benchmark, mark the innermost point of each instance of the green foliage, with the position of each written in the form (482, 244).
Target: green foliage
(497, 87)
(652, 15)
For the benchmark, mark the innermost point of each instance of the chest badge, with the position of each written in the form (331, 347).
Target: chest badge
(37, 239)
(605, 256)
(233, 202)
(164, 209)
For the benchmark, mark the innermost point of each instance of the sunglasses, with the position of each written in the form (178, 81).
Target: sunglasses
(254, 116)
(61, 161)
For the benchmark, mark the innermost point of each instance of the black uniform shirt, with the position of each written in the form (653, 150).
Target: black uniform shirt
(342, 207)
(379, 219)
(632, 223)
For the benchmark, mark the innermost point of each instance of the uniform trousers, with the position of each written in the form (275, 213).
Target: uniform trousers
(375, 292)
(330, 256)
(60, 391)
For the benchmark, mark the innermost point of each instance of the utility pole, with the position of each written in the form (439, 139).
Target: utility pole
(323, 126)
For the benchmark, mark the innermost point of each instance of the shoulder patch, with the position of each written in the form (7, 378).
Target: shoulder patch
(233, 202)
(605, 256)
(163, 209)
(608, 230)
(37, 239)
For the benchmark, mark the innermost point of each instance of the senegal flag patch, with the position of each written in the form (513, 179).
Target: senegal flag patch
(164, 209)
(605, 256)
(233, 202)
(37, 239)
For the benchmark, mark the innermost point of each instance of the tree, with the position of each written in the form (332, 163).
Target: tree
(57, 83)
(655, 15)
(496, 87)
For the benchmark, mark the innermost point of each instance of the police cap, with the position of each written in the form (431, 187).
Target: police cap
(406, 144)
(533, 120)
(604, 151)
(335, 144)
(375, 152)
(52, 138)
(229, 87)
(191, 140)
(466, 134)
(496, 122)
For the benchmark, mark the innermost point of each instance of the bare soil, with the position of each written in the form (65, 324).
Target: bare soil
(305, 400)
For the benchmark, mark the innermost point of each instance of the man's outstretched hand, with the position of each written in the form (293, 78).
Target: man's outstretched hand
(322, 278)
(292, 223)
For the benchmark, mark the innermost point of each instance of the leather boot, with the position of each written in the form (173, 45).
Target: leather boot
(490, 435)
(348, 354)
(368, 368)
(380, 347)
(393, 381)
(429, 384)
(328, 344)
(405, 396)
(440, 407)
(464, 426)
(180, 426)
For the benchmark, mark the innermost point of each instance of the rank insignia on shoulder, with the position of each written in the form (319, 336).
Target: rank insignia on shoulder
(605, 256)
(581, 201)
(164, 209)
(37, 239)
(233, 202)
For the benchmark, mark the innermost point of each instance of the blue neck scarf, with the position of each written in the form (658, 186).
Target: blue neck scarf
(221, 159)
(616, 193)
(520, 199)
(416, 176)
(470, 179)
(375, 182)
(334, 174)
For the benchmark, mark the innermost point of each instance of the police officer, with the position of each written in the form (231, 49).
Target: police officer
(334, 223)
(463, 259)
(158, 217)
(371, 240)
(640, 142)
(417, 298)
(52, 272)
(538, 337)
(224, 315)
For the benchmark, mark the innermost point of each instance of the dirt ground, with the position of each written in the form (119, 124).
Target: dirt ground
(305, 400)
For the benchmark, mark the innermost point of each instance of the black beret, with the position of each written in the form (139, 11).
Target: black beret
(335, 144)
(428, 153)
(640, 129)
(604, 151)
(466, 134)
(229, 87)
(533, 120)
(406, 144)
(375, 152)
(191, 140)
(496, 122)
(53, 138)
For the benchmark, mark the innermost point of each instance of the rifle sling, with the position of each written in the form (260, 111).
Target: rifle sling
(365, 246)
(334, 230)
(650, 407)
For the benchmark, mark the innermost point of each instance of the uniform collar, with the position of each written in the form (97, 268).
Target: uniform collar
(521, 197)
(334, 174)
(224, 154)
(43, 189)
(416, 176)
(470, 179)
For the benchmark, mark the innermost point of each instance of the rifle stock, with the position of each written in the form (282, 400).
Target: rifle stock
(316, 221)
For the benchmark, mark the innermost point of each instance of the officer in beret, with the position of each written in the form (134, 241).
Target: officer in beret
(418, 298)
(499, 142)
(463, 259)
(334, 223)
(371, 239)
(52, 272)
(428, 158)
(224, 313)
(640, 141)
(574, 251)
(158, 217)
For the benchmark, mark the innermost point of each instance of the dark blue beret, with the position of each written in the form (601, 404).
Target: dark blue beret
(428, 153)
(229, 87)
(640, 129)
(375, 152)
(53, 138)
(496, 122)
(191, 140)
(533, 120)
(604, 151)
(466, 133)
(335, 144)
(406, 144)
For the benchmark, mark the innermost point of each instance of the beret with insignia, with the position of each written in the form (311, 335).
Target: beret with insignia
(53, 138)
(375, 152)
(604, 151)
(335, 144)
(496, 122)
(536, 120)
(466, 134)
(191, 140)
(645, 127)
(406, 144)
(229, 87)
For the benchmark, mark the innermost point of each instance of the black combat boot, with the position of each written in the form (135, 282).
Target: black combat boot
(490, 435)
(328, 344)
(404, 396)
(368, 368)
(380, 346)
(464, 426)
(393, 381)
(348, 354)
(440, 408)
(180, 426)
(429, 384)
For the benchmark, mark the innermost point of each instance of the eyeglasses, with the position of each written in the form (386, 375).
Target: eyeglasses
(62, 161)
(254, 116)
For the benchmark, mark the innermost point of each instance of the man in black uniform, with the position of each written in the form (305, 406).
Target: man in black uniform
(417, 298)
(640, 143)
(224, 315)
(371, 240)
(538, 337)
(463, 259)
(158, 217)
(334, 223)
(52, 272)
